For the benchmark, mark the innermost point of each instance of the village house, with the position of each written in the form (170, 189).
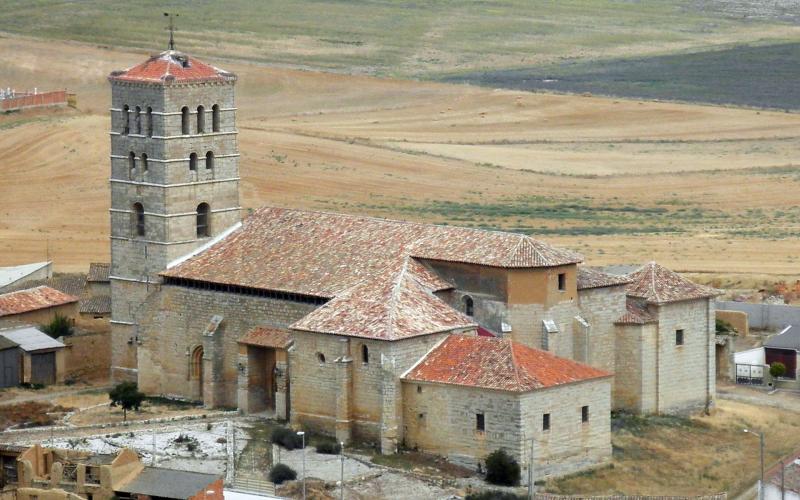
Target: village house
(338, 322)
(37, 305)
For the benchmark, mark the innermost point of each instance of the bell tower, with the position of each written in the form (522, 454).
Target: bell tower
(174, 179)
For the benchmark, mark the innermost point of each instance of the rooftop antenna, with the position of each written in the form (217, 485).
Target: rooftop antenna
(171, 29)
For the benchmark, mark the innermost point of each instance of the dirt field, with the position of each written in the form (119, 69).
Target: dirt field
(700, 188)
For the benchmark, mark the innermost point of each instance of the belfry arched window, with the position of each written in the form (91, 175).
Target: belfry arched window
(138, 219)
(143, 160)
(203, 211)
(137, 120)
(131, 165)
(125, 120)
(364, 354)
(469, 306)
(201, 119)
(209, 160)
(185, 130)
(149, 121)
(193, 162)
(215, 118)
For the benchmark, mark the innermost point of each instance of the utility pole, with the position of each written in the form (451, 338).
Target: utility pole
(761, 443)
(783, 490)
(341, 454)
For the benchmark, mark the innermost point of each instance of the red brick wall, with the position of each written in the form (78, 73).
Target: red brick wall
(29, 101)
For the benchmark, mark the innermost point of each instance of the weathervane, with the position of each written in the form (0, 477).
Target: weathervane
(171, 29)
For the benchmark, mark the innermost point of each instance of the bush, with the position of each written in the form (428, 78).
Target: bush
(494, 495)
(287, 438)
(502, 469)
(281, 472)
(60, 326)
(724, 328)
(329, 448)
(777, 369)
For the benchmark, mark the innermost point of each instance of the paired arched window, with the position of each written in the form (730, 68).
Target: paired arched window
(131, 164)
(185, 130)
(215, 118)
(364, 353)
(193, 162)
(203, 211)
(196, 369)
(209, 160)
(469, 306)
(143, 160)
(125, 122)
(138, 219)
(137, 120)
(201, 119)
(149, 121)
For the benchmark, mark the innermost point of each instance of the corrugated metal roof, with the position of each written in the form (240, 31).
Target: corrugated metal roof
(169, 483)
(32, 299)
(789, 338)
(13, 274)
(30, 339)
(7, 344)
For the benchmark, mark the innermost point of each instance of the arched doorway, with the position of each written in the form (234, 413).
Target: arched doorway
(196, 372)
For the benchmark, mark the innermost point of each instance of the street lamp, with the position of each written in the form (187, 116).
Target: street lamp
(303, 436)
(761, 440)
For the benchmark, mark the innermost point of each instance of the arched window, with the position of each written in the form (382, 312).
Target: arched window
(149, 121)
(209, 160)
(215, 118)
(469, 306)
(138, 219)
(125, 122)
(201, 119)
(193, 162)
(320, 357)
(202, 220)
(143, 160)
(131, 165)
(196, 368)
(185, 121)
(364, 354)
(137, 120)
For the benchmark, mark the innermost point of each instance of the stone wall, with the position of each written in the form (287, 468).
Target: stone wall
(635, 378)
(601, 307)
(42, 316)
(737, 319)
(87, 357)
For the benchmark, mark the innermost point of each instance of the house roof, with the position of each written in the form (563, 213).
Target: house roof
(98, 272)
(391, 305)
(171, 66)
(71, 284)
(7, 343)
(592, 278)
(9, 275)
(323, 254)
(168, 483)
(636, 313)
(659, 285)
(789, 338)
(32, 299)
(96, 305)
(264, 336)
(30, 339)
(496, 363)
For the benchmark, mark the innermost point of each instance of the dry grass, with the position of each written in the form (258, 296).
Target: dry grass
(149, 410)
(690, 456)
(30, 414)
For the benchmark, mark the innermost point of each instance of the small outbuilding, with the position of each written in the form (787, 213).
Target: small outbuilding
(784, 348)
(30, 356)
(37, 305)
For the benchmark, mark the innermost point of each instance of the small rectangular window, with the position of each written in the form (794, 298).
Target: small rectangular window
(480, 423)
(584, 414)
(419, 389)
(679, 337)
(562, 281)
(546, 422)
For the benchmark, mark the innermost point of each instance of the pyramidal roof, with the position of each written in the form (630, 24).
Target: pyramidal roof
(659, 285)
(391, 305)
(496, 363)
(170, 67)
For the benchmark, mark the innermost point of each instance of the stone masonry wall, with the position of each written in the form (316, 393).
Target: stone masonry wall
(527, 328)
(601, 307)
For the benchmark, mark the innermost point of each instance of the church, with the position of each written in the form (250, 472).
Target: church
(449, 340)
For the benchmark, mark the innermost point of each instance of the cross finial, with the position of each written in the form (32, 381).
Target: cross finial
(171, 29)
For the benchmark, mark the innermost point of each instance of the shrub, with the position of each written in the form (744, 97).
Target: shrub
(494, 495)
(282, 472)
(329, 448)
(723, 327)
(287, 438)
(60, 326)
(777, 369)
(502, 469)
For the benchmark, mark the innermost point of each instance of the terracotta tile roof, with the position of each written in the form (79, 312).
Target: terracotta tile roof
(96, 305)
(171, 67)
(394, 304)
(98, 272)
(71, 284)
(636, 314)
(32, 299)
(659, 285)
(592, 278)
(264, 336)
(322, 254)
(495, 363)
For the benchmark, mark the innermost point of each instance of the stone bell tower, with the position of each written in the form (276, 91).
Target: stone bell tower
(174, 179)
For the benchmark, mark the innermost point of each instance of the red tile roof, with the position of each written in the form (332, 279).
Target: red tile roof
(263, 336)
(495, 363)
(32, 299)
(592, 278)
(636, 314)
(659, 285)
(322, 254)
(393, 304)
(171, 67)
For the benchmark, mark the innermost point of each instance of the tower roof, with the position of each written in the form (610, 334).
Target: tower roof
(171, 67)
(659, 285)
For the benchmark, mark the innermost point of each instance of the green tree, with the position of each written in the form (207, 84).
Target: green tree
(777, 369)
(60, 326)
(501, 468)
(126, 395)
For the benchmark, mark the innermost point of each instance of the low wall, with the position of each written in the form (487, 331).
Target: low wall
(764, 316)
(55, 98)
(88, 356)
(547, 496)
